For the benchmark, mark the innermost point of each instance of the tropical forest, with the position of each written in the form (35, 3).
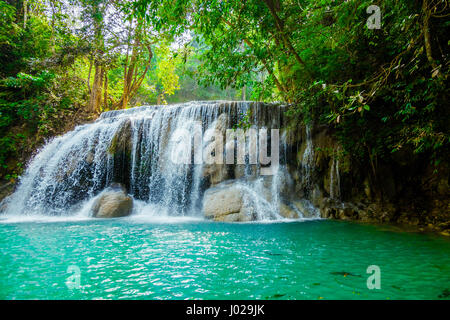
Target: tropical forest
(224, 149)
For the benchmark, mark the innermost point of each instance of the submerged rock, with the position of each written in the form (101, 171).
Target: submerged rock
(445, 294)
(113, 202)
(345, 274)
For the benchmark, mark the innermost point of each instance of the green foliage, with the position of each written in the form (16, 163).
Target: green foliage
(8, 26)
(52, 55)
(244, 121)
(38, 86)
(382, 89)
(163, 80)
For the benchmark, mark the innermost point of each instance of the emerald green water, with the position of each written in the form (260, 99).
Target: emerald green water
(134, 259)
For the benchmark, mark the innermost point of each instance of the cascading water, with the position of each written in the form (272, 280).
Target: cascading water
(335, 180)
(70, 168)
(308, 157)
(135, 147)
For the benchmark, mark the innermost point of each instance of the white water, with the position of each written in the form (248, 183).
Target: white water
(308, 157)
(71, 170)
(335, 180)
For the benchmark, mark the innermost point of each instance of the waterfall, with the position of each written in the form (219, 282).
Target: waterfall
(136, 146)
(335, 180)
(308, 157)
(70, 168)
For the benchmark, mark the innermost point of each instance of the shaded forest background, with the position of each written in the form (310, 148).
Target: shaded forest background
(382, 89)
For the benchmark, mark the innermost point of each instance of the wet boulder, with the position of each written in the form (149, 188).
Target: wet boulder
(120, 149)
(306, 208)
(216, 172)
(227, 203)
(287, 211)
(112, 202)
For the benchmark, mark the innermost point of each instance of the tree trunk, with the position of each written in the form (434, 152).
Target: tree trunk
(273, 7)
(95, 99)
(89, 77)
(129, 71)
(105, 89)
(25, 13)
(426, 33)
(52, 35)
(132, 81)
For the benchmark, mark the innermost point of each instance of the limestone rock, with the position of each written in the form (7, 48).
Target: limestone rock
(287, 212)
(306, 208)
(6, 189)
(226, 202)
(120, 148)
(217, 172)
(121, 143)
(113, 202)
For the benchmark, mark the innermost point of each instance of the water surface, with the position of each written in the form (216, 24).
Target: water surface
(135, 258)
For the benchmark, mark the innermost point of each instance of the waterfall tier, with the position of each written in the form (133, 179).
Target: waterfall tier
(138, 148)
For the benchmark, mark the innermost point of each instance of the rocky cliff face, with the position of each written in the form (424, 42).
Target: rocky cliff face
(404, 191)
(141, 148)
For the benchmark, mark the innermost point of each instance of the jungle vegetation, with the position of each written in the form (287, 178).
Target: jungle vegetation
(375, 71)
